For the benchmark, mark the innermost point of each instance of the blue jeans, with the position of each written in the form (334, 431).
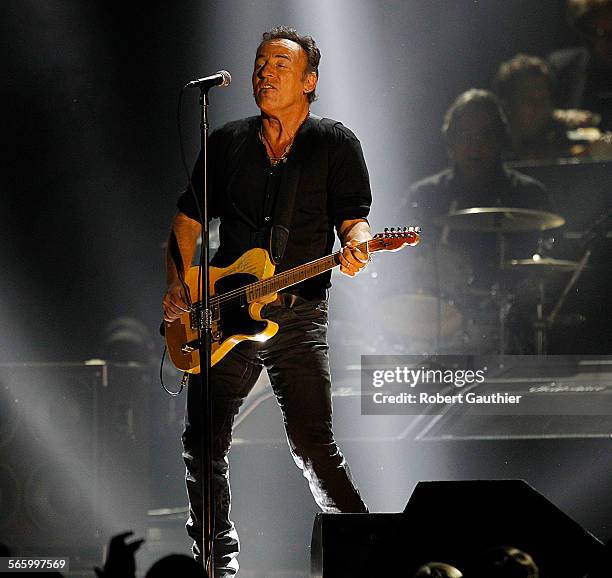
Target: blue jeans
(298, 367)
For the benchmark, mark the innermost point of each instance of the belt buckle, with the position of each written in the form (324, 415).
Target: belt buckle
(290, 300)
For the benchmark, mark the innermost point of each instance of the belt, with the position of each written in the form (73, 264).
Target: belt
(287, 300)
(290, 299)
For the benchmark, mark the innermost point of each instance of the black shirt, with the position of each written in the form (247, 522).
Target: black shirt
(333, 185)
(439, 194)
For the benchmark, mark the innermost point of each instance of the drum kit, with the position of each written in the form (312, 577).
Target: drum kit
(444, 311)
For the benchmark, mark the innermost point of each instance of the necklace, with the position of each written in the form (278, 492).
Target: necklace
(270, 151)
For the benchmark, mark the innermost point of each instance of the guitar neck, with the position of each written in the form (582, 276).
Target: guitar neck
(281, 281)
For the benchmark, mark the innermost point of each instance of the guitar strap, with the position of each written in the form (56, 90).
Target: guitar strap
(279, 233)
(283, 212)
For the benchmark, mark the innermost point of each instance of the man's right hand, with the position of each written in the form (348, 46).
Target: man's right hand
(175, 302)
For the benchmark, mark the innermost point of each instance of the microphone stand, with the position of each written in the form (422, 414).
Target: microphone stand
(204, 323)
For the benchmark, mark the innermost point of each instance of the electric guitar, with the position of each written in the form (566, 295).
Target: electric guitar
(239, 292)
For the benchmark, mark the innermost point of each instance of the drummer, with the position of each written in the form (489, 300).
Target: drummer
(476, 132)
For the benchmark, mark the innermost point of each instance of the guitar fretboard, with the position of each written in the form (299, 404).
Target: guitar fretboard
(291, 277)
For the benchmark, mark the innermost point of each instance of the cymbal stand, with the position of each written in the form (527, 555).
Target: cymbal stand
(573, 280)
(540, 325)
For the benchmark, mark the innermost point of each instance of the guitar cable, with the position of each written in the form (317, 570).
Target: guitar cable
(161, 377)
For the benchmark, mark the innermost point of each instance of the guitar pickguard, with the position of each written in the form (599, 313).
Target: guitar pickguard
(232, 316)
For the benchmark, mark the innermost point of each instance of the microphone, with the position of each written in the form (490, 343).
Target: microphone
(221, 78)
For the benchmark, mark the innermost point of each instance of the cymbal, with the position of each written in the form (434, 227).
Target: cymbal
(541, 265)
(500, 220)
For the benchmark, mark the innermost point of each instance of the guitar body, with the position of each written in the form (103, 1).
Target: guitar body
(234, 320)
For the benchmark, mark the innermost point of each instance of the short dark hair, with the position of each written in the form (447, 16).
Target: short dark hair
(474, 99)
(579, 11)
(512, 71)
(313, 54)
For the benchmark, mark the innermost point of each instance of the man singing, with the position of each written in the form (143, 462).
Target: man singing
(259, 166)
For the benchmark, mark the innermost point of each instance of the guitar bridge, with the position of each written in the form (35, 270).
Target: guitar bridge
(202, 319)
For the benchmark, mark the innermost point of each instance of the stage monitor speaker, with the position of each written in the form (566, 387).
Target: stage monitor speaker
(73, 453)
(454, 522)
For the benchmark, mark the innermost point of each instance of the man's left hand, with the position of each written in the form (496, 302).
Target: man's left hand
(352, 260)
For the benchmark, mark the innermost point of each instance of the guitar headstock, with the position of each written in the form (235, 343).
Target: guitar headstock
(394, 239)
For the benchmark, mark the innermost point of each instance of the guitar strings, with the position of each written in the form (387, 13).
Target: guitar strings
(242, 290)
